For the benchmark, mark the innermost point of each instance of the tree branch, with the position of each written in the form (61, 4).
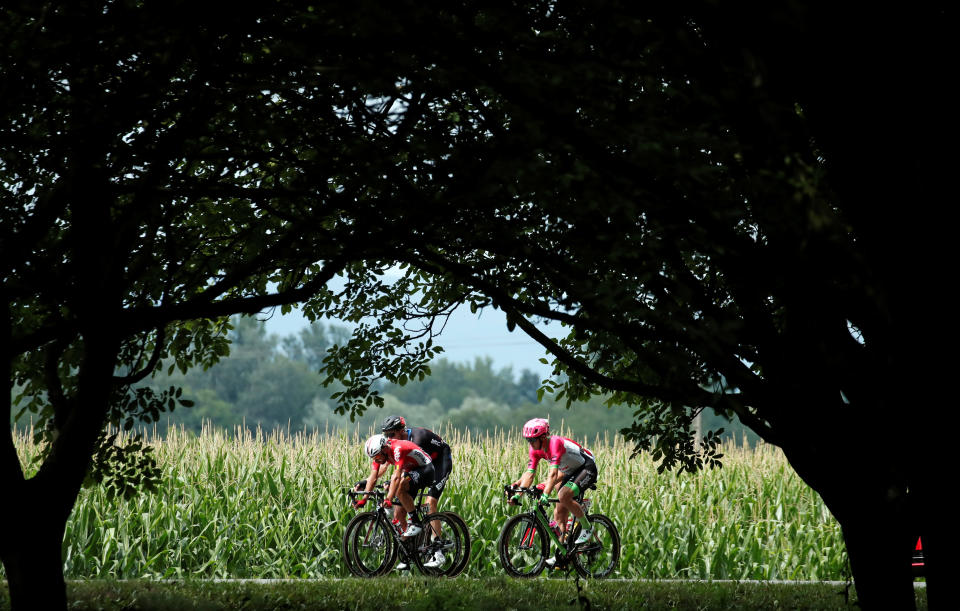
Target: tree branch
(158, 348)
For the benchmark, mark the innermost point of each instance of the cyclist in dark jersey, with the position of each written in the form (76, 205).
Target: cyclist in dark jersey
(395, 427)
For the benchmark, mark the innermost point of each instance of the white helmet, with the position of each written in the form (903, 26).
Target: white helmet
(375, 445)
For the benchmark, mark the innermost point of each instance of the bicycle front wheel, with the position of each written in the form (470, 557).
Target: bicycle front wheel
(344, 547)
(439, 548)
(369, 546)
(598, 557)
(523, 546)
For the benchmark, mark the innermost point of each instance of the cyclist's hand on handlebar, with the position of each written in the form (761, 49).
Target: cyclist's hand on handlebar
(387, 504)
(360, 503)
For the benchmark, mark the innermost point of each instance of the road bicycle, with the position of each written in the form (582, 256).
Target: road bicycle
(525, 540)
(373, 542)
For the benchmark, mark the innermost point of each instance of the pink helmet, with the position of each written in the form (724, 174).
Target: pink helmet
(536, 427)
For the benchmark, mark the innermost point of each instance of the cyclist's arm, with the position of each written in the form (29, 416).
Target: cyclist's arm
(526, 479)
(365, 485)
(394, 483)
(372, 478)
(553, 476)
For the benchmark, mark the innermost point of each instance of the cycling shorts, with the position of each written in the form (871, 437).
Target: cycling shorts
(421, 477)
(583, 478)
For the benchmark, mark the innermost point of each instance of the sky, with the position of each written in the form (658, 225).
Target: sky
(466, 337)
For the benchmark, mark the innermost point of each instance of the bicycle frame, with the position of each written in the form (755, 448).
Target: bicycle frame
(379, 495)
(524, 545)
(402, 544)
(541, 516)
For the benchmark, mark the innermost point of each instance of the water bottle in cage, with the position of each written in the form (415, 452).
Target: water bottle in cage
(556, 529)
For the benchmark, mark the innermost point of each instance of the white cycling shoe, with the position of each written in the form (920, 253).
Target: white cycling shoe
(584, 537)
(438, 560)
(412, 530)
(401, 566)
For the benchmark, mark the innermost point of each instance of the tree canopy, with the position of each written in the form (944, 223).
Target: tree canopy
(715, 201)
(711, 197)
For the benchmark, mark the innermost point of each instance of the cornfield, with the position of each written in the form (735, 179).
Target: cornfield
(256, 505)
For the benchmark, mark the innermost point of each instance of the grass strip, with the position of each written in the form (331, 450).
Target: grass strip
(416, 593)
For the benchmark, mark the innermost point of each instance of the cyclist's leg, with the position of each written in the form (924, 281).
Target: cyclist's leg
(442, 472)
(415, 480)
(562, 508)
(567, 497)
(432, 509)
(406, 490)
(401, 510)
(585, 477)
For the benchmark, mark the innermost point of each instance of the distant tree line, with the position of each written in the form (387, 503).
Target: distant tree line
(269, 381)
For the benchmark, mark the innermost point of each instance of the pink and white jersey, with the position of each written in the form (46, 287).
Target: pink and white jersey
(562, 453)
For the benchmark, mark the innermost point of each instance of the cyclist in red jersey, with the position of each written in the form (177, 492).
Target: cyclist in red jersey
(572, 470)
(414, 471)
(395, 427)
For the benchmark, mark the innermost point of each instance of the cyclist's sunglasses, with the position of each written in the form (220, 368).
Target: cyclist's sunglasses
(390, 434)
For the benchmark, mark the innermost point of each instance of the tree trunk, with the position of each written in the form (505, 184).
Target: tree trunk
(880, 563)
(32, 555)
(864, 492)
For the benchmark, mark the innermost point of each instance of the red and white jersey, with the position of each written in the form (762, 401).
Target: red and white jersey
(406, 455)
(562, 453)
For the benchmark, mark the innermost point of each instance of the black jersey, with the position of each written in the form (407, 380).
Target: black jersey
(430, 442)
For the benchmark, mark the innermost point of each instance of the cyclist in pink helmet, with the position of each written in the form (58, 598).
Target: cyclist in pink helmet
(572, 470)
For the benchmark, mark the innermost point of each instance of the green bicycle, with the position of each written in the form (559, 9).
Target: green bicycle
(524, 542)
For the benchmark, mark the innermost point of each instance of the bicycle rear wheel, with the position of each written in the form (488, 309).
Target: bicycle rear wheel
(369, 546)
(598, 557)
(467, 544)
(523, 546)
(439, 555)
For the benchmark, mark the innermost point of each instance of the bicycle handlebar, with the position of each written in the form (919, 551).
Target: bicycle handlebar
(378, 492)
(534, 492)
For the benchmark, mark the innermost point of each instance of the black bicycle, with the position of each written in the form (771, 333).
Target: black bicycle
(373, 543)
(524, 542)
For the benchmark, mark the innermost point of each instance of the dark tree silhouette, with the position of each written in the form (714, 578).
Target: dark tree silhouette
(159, 163)
(731, 206)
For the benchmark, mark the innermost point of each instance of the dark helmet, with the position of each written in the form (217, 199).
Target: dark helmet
(393, 423)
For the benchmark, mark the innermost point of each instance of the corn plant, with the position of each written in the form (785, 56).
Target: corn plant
(271, 505)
